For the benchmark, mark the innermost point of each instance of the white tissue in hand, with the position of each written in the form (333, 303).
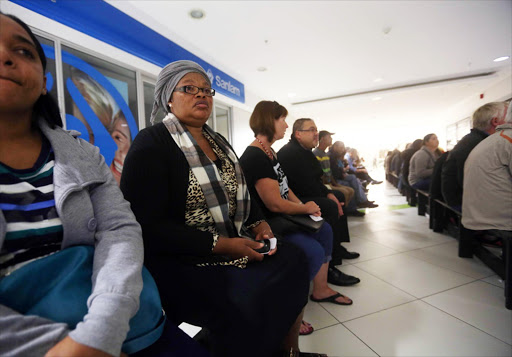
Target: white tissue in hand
(273, 243)
(315, 218)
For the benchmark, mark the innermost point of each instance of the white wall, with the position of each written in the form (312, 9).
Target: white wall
(499, 91)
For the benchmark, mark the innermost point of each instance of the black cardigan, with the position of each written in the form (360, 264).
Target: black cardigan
(303, 170)
(452, 176)
(155, 182)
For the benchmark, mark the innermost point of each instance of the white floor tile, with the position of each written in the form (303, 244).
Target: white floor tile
(403, 240)
(495, 280)
(368, 250)
(335, 341)
(318, 316)
(417, 329)
(369, 296)
(480, 304)
(412, 275)
(446, 256)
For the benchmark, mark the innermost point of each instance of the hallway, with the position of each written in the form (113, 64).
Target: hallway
(416, 296)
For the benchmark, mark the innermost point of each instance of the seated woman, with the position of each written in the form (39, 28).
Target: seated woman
(259, 161)
(422, 163)
(70, 248)
(189, 194)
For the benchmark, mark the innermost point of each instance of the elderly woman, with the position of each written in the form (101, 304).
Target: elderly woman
(262, 169)
(70, 248)
(190, 196)
(422, 163)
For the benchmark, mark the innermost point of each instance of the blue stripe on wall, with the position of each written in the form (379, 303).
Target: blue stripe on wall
(101, 20)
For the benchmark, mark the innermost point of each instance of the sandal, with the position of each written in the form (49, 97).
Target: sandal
(332, 299)
(309, 329)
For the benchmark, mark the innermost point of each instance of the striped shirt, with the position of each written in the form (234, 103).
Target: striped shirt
(34, 228)
(324, 160)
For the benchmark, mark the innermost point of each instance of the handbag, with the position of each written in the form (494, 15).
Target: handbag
(57, 287)
(285, 224)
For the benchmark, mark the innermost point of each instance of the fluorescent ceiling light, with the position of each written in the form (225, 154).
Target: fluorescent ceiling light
(376, 98)
(291, 95)
(499, 59)
(377, 79)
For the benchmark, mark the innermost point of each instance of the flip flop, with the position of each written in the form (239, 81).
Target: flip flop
(310, 329)
(332, 299)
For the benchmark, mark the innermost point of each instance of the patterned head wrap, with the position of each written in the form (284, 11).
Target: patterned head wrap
(167, 81)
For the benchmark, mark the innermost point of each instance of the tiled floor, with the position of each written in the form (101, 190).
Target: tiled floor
(416, 296)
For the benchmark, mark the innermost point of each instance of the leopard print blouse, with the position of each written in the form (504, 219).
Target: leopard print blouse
(198, 215)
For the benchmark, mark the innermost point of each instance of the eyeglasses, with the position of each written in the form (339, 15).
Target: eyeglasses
(311, 130)
(209, 92)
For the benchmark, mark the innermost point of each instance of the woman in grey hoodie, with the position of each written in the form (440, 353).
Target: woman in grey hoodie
(56, 200)
(422, 163)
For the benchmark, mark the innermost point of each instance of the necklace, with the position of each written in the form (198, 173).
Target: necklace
(267, 151)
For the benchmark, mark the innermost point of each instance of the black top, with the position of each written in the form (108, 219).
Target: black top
(338, 172)
(257, 165)
(435, 179)
(405, 157)
(303, 170)
(453, 169)
(155, 181)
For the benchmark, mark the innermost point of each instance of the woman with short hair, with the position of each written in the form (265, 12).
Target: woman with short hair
(264, 173)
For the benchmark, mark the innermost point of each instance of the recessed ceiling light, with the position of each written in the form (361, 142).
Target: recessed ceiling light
(262, 69)
(499, 59)
(196, 14)
(376, 98)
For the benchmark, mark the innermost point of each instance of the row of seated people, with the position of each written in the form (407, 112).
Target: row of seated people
(474, 180)
(424, 166)
(72, 244)
(339, 173)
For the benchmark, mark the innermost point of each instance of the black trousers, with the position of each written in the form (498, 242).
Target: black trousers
(339, 224)
(247, 312)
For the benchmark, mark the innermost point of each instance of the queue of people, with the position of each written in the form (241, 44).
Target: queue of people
(443, 174)
(203, 222)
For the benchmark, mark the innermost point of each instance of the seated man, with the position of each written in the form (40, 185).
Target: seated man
(487, 190)
(405, 157)
(305, 179)
(342, 177)
(352, 158)
(485, 120)
(324, 141)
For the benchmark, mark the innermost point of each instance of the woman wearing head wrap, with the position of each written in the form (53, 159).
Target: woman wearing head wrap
(188, 192)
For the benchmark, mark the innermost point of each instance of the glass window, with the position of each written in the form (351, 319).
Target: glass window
(222, 118)
(101, 103)
(149, 98)
(51, 70)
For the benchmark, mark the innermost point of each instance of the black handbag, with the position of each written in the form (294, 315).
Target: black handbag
(286, 224)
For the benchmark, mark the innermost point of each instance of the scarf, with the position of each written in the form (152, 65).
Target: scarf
(209, 178)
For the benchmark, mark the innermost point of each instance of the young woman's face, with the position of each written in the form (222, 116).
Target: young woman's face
(280, 127)
(433, 142)
(22, 80)
(192, 109)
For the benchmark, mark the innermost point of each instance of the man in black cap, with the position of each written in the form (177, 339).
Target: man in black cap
(305, 178)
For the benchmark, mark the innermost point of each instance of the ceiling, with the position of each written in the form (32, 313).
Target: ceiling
(322, 49)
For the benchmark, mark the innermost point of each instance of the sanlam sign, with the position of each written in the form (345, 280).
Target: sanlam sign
(95, 18)
(226, 85)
